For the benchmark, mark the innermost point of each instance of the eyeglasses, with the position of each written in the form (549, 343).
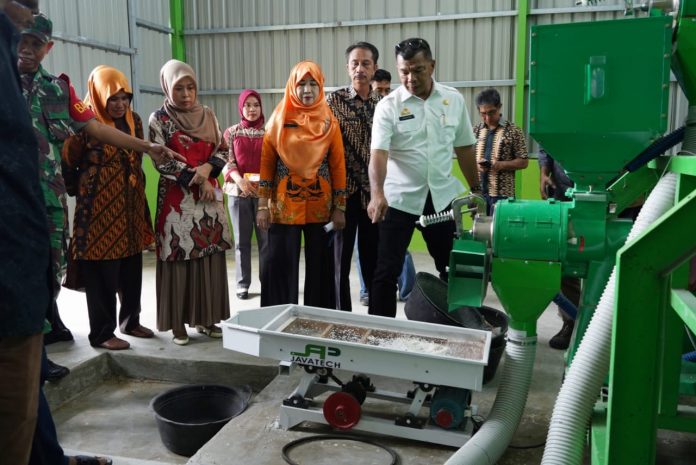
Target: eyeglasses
(489, 113)
(413, 44)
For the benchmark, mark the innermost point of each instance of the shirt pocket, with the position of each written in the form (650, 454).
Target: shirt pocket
(448, 127)
(409, 124)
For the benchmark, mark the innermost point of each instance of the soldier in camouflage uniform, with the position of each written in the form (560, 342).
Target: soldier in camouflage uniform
(57, 113)
(49, 99)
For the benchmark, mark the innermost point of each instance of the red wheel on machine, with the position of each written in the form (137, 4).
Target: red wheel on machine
(444, 418)
(342, 410)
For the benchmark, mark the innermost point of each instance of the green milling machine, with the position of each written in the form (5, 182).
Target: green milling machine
(599, 95)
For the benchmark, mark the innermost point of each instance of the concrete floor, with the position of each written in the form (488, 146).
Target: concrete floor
(103, 406)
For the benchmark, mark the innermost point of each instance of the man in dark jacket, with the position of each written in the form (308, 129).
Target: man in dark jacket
(553, 183)
(24, 268)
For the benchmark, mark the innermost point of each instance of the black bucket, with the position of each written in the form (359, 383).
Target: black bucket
(428, 302)
(188, 416)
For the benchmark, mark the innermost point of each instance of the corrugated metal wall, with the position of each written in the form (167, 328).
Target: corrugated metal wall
(234, 44)
(130, 35)
(88, 33)
(254, 44)
(238, 43)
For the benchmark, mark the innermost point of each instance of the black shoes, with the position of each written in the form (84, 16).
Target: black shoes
(242, 295)
(561, 340)
(59, 335)
(56, 372)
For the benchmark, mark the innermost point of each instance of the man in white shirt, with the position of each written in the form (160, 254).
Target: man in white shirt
(415, 130)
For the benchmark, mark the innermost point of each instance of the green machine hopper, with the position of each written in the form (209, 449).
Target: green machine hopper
(599, 95)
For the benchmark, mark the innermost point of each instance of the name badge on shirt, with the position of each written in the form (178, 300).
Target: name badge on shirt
(406, 117)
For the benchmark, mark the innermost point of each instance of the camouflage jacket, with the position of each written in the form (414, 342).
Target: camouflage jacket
(48, 100)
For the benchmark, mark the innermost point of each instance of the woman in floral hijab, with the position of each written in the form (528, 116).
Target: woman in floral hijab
(190, 225)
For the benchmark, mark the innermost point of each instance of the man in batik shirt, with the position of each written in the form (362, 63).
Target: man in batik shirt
(354, 107)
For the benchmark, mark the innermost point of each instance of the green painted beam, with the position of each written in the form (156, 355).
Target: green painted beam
(685, 422)
(176, 20)
(643, 269)
(681, 164)
(598, 441)
(687, 380)
(520, 77)
(521, 60)
(684, 303)
(631, 186)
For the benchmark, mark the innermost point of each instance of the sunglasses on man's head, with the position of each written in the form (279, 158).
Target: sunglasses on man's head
(414, 44)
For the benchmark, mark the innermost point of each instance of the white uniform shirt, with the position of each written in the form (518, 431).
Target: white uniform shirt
(420, 136)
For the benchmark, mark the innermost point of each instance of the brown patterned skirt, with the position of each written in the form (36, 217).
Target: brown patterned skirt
(192, 292)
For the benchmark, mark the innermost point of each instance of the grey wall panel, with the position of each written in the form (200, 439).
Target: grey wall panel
(96, 19)
(77, 62)
(156, 50)
(148, 104)
(93, 32)
(678, 109)
(260, 56)
(155, 11)
(272, 35)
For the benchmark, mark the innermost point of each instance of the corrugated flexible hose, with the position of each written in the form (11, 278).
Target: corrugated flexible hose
(571, 414)
(490, 442)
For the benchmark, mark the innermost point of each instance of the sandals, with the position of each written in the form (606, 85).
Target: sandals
(180, 341)
(90, 460)
(180, 338)
(210, 331)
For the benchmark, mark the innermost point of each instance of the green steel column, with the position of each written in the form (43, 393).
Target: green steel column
(176, 20)
(520, 76)
(672, 331)
(643, 281)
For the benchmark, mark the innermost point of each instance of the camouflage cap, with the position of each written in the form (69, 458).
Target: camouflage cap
(41, 29)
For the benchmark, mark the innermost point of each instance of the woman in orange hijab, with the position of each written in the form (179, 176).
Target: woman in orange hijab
(111, 225)
(302, 189)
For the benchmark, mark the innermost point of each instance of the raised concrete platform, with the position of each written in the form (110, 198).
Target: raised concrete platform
(102, 407)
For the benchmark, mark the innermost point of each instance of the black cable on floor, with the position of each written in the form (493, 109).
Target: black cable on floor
(328, 437)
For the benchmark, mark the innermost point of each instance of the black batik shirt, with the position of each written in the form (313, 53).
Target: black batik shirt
(355, 119)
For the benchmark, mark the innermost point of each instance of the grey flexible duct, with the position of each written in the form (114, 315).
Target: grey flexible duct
(571, 414)
(490, 442)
